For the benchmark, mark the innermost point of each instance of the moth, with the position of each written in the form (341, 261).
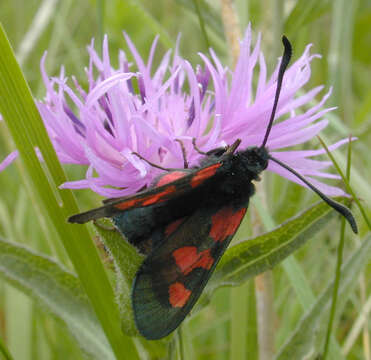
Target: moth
(185, 221)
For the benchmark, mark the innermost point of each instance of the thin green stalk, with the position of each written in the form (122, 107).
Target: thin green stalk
(181, 344)
(202, 23)
(252, 326)
(4, 351)
(346, 183)
(338, 264)
(336, 288)
(349, 159)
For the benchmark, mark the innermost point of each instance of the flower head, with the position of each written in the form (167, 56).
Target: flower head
(138, 109)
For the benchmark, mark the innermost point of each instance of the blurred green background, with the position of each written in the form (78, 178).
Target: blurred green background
(340, 30)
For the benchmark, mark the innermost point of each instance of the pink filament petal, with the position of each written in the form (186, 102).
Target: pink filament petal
(103, 125)
(8, 160)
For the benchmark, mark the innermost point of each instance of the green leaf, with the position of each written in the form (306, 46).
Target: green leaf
(27, 129)
(126, 260)
(307, 339)
(254, 256)
(56, 290)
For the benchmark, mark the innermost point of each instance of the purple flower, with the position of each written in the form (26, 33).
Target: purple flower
(139, 109)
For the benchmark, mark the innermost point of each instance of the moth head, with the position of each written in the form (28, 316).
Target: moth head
(254, 159)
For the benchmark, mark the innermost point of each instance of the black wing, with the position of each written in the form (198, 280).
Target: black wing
(172, 277)
(152, 196)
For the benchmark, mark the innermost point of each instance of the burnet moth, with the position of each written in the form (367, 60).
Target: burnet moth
(185, 222)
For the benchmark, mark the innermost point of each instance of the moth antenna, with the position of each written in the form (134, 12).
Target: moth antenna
(284, 62)
(341, 209)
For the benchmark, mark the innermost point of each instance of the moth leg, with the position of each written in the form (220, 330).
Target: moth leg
(184, 153)
(232, 148)
(153, 164)
(196, 148)
(103, 227)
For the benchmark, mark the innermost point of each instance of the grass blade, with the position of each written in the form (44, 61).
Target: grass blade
(56, 290)
(306, 339)
(25, 125)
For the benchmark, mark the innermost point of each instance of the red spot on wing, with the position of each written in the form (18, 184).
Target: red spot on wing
(173, 226)
(178, 294)
(201, 175)
(127, 204)
(147, 200)
(187, 259)
(170, 177)
(153, 199)
(225, 223)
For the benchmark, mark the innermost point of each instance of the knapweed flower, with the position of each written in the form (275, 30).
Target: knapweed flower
(136, 108)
